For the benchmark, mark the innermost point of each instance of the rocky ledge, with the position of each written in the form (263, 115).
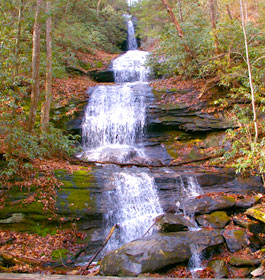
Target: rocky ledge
(229, 236)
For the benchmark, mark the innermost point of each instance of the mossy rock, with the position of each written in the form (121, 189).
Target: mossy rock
(257, 212)
(74, 197)
(244, 261)
(217, 219)
(219, 267)
(236, 239)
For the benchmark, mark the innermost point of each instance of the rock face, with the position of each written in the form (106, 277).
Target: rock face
(216, 219)
(105, 76)
(183, 116)
(156, 251)
(236, 239)
(208, 204)
(219, 267)
(174, 223)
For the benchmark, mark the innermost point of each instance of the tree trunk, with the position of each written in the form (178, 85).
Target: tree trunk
(178, 28)
(48, 97)
(98, 7)
(20, 16)
(249, 73)
(35, 92)
(213, 5)
(180, 10)
(228, 11)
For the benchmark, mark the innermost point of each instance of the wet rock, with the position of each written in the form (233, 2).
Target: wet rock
(209, 204)
(244, 261)
(156, 251)
(217, 219)
(247, 202)
(236, 239)
(174, 223)
(257, 212)
(235, 272)
(219, 267)
(105, 76)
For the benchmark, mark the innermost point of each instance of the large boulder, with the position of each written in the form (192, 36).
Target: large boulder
(174, 223)
(207, 204)
(157, 251)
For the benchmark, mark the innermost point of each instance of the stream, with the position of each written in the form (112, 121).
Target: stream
(114, 130)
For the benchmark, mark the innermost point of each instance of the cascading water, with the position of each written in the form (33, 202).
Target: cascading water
(112, 127)
(132, 204)
(190, 190)
(132, 43)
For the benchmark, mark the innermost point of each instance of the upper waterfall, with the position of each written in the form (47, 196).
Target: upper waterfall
(132, 43)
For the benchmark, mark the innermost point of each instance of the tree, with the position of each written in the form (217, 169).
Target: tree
(249, 73)
(20, 16)
(178, 28)
(48, 97)
(35, 92)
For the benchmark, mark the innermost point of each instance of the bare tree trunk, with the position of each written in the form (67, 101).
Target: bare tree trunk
(20, 16)
(35, 92)
(180, 10)
(228, 11)
(98, 7)
(45, 117)
(249, 73)
(213, 4)
(178, 28)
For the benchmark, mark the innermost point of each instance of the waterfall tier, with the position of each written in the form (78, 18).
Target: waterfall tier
(130, 67)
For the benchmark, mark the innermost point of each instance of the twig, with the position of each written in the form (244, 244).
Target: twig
(156, 220)
(101, 248)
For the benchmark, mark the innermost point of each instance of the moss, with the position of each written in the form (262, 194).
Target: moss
(75, 196)
(239, 234)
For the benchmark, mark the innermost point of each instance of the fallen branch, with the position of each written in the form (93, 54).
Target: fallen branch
(155, 221)
(172, 163)
(102, 247)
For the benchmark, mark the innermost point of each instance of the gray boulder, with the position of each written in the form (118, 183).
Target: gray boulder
(174, 223)
(156, 251)
(207, 204)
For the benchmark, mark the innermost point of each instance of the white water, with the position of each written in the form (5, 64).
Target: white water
(132, 43)
(130, 67)
(190, 191)
(112, 127)
(133, 204)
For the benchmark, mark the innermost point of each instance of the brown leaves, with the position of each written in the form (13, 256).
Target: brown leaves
(28, 252)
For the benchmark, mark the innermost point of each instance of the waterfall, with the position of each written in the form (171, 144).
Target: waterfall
(132, 43)
(112, 127)
(133, 204)
(130, 67)
(190, 190)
